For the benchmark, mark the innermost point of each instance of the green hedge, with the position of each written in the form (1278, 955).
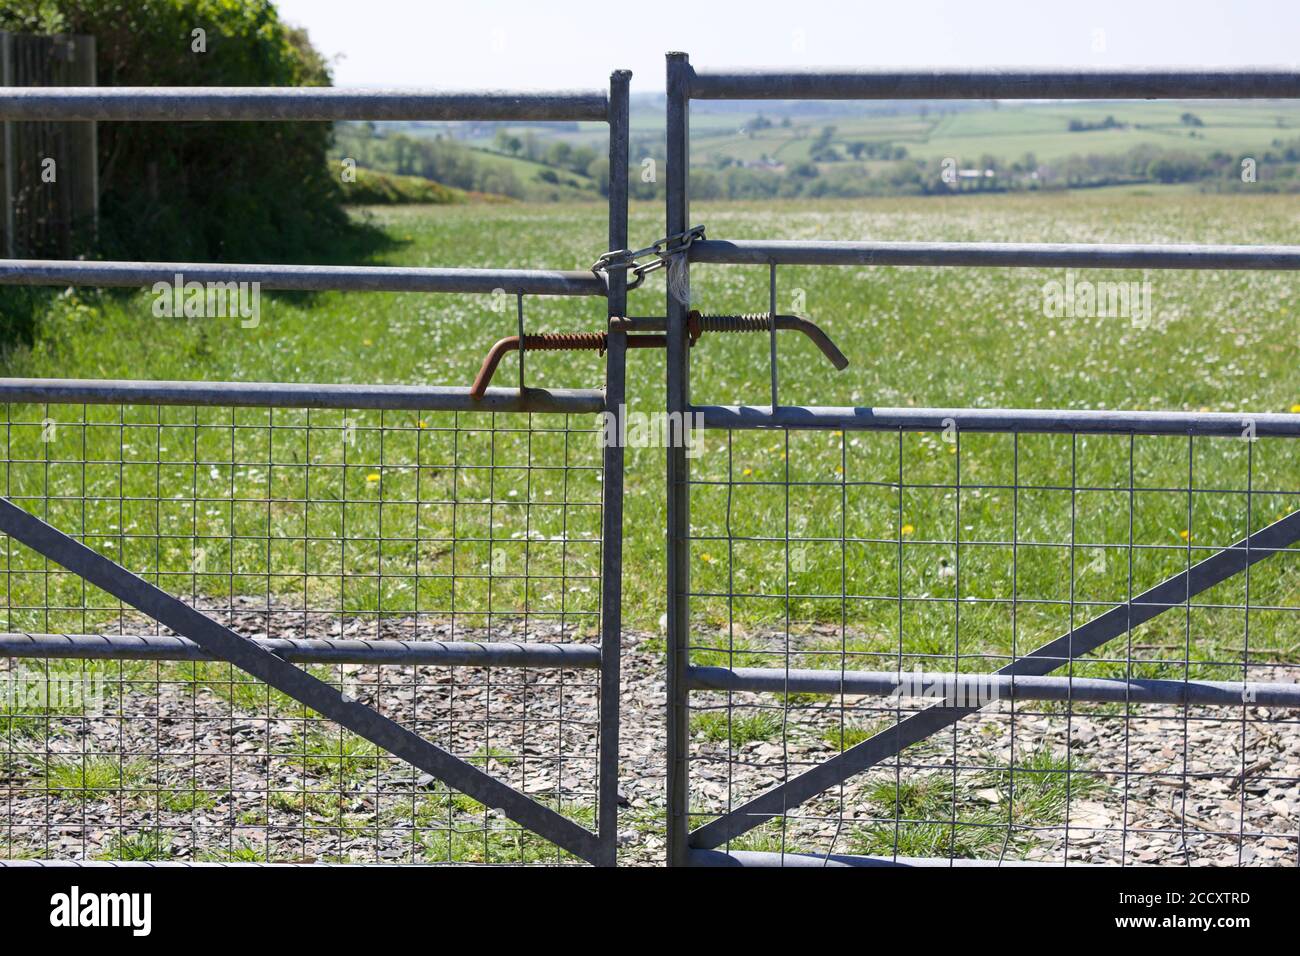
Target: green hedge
(257, 192)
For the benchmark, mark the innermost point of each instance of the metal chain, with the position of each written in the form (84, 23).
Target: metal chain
(664, 250)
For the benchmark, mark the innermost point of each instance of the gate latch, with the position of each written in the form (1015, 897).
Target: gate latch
(697, 325)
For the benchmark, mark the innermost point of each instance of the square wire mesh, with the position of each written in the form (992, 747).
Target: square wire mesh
(926, 552)
(297, 523)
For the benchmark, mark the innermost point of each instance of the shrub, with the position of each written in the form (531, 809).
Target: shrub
(210, 190)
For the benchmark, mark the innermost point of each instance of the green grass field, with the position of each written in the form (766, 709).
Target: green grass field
(1006, 132)
(933, 337)
(1012, 130)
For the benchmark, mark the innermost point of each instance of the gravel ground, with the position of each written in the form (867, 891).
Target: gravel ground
(211, 768)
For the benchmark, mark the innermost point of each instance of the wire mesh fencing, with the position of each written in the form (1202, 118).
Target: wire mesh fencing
(393, 554)
(854, 594)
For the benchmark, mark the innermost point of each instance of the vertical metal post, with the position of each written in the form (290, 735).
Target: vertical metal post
(7, 147)
(86, 76)
(611, 557)
(771, 331)
(678, 546)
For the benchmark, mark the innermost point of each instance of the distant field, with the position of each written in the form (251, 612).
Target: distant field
(913, 336)
(571, 186)
(1012, 130)
(1007, 132)
(538, 181)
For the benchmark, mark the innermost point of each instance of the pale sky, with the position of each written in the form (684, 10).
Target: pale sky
(531, 44)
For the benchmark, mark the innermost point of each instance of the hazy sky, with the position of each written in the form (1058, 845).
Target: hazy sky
(560, 43)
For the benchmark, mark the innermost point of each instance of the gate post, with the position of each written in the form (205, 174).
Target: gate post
(611, 557)
(678, 545)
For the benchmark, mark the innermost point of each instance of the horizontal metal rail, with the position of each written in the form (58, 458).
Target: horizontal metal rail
(992, 687)
(424, 398)
(295, 396)
(1001, 83)
(295, 278)
(1000, 254)
(149, 647)
(1058, 421)
(756, 858)
(295, 103)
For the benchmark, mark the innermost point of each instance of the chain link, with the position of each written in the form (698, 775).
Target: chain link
(664, 250)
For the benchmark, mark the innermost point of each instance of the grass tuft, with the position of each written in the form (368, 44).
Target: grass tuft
(94, 776)
(740, 728)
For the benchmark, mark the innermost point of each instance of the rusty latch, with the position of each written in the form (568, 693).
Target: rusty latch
(697, 325)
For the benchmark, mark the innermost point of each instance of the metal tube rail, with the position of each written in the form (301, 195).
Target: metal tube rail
(1001, 254)
(148, 104)
(698, 324)
(147, 647)
(678, 466)
(427, 398)
(987, 688)
(1028, 420)
(1001, 83)
(299, 278)
(612, 482)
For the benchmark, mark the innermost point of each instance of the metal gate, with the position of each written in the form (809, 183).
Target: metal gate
(904, 698)
(284, 593)
(397, 635)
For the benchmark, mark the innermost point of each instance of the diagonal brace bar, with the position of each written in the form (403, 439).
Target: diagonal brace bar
(247, 655)
(1172, 592)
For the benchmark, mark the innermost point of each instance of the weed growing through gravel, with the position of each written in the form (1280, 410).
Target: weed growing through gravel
(188, 800)
(94, 776)
(243, 851)
(923, 816)
(740, 728)
(141, 846)
(243, 693)
(850, 734)
(337, 757)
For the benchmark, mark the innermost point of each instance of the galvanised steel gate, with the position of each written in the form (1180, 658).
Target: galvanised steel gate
(433, 559)
(398, 635)
(869, 694)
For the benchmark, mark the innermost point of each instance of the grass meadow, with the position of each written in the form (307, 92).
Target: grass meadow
(1011, 537)
(1009, 131)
